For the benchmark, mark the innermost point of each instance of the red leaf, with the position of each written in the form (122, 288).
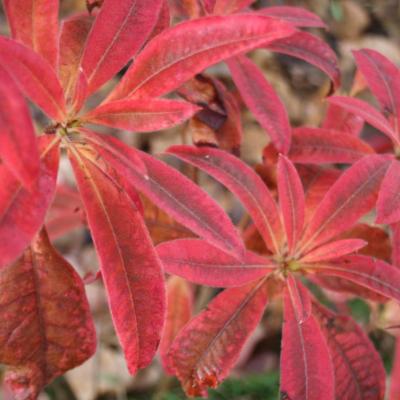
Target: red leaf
(396, 244)
(263, 102)
(359, 373)
(341, 120)
(383, 78)
(197, 45)
(46, 328)
(174, 193)
(306, 368)
(324, 146)
(394, 377)
(333, 250)
(230, 6)
(141, 116)
(22, 211)
(296, 15)
(388, 205)
(18, 148)
(208, 347)
(310, 49)
(179, 312)
(118, 33)
(367, 112)
(35, 23)
(291, 200)
(35, 77)
(130, 267)
(351, 196)
(199, 262)
(374, 274)
(243, 182)
(164, 20)
(299, 298)
(74, 32)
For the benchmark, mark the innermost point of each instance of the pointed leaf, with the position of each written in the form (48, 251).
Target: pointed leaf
(173, 193)
(396, 244)
(296, 15)
(35, 23)
(243, 182)
(325, 146)
(141, 116)
(388, 205)
(351, 196)
(208, 347)
(18, 148)
(359, 372)
(306, 368)
(130, 268)
(311, 49)
(372, 273)
(47, 328)
(299, 298)
(341, 120)
(74, 32)
(383, 78)
(262, 100)
(199, 262)
(333, 250)
(367, 112)
(197, 45)
(35, 77)
(179, 312)
(291, 200)
(22, 212)
(118, 33)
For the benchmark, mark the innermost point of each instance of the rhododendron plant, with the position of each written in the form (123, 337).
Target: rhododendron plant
(145, 60)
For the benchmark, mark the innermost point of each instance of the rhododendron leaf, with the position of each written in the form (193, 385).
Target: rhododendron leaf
(394, 378)
(388, 205)
(372, 273)
(74, 32)
(383, 78)
(118, 33)
(333, 250)
(368, 113)
(141, 116)
(243, 182)
(207, 348)
(130, 268)
(179, 312)
(35, 77)
(47, 329)
(66, 212)
(18, 148)
(325, 146)
(175, 194)
(291, 200)
(396, 244)
(199, 262)
(263, 102)
(296, 15)
(197, 45)
(164, 20)
(359, 372)
(22, 211)
(306, 368)
(230, 6)
(311, 49)
(351, 196)
(341, 120)
(35, 23)
(300, 299)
